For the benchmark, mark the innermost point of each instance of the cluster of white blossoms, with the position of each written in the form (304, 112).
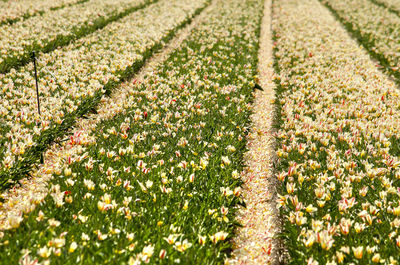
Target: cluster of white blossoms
(80, 70)
(55, 26)
(12, 10)
(157, 179)
(378, 27)
(339, 140)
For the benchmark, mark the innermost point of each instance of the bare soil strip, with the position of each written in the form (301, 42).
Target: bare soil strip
(256, 241)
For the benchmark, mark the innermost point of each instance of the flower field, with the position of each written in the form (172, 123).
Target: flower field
(391, 5)
(339, 157)
(58, 27)
(376, 24)
(74, 78)
(12, 11)
(157, 181)
(200, 132)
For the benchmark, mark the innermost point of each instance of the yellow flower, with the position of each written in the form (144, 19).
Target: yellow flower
(325, 240)
(106, 198)
(310, 241)
(148, 251)
(358, 252)
(311, 209)
(219, 236)
(202, 240)
(235, 174)
(131, 246)
(72, 247)
(44, 252)
(40, 216)
(68, 199)
(130, 236)
(191, 178)
(225, 160)
(89, 184)
(376, 258)
(57, 252)
(53, 222)
(85, 237)
(396, 211)
(186, 205)
(14, 220)
(290, 187)
(345, 225)
(237, 191)
(231, 148)
(171, 238)
(339, 256)
(182, 246)
(59, 242)
(67, 172)
(359, 227)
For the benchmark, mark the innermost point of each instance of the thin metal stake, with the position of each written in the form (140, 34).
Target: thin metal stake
(37, 95)
(36, 78)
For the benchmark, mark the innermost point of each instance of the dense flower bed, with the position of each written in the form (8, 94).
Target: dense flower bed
(157, 181)
(57, 28)
(10, 11)
(375, 26)
(339, 147)
(393, 5)
(74, 78)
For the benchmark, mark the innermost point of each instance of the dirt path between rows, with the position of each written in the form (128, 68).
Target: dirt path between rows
(255, 242)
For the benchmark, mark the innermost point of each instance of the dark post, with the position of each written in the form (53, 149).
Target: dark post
(37, 94)
(36, 78)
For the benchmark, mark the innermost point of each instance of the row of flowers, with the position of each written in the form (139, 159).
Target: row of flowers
(393, 5)
(338, 157)
(10, 11)
(158, 180)
(58, 27)
(375, 26)
(77, 75)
